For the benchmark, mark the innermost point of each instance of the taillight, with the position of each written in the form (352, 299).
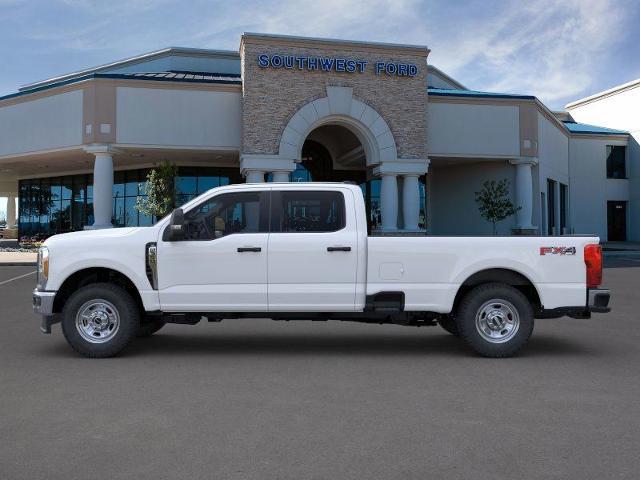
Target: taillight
(593, 260)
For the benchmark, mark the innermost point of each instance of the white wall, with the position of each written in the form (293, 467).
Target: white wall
(590, 189)
(42, 124)
(190, 118)
(466, 129)
(620, 111)
(452, 209)
(553, 163)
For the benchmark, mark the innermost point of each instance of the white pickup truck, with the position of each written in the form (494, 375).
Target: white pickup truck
(301, 251)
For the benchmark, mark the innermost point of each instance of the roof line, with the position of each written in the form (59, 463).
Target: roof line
(605, 93)
(542, 107)
(360, 43)
(597, 130)
(475, 94)
(447, 77)
(131, 61)
(123, 76)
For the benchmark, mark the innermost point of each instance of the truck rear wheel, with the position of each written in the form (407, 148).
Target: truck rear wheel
(495, 319)
(99, 320)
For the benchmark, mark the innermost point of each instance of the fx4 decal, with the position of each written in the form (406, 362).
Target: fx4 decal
(557, 250)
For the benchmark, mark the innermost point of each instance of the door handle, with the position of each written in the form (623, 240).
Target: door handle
(338, 249)
(249, 249)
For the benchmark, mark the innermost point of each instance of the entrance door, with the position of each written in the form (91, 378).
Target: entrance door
(617, 221)
(221, 265)
(313, 251)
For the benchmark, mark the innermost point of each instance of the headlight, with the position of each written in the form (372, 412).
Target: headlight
(43, 267)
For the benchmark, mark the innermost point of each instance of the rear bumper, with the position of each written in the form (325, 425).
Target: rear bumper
(597, 301)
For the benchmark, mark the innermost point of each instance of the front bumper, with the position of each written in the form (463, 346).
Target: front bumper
(43, 305)
(598, 300)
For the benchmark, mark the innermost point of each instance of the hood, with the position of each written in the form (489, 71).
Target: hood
(95, 236)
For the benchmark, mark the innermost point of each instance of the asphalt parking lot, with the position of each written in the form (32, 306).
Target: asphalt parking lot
(256, 399)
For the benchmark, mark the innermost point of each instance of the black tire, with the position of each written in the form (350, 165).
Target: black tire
(449, 324)
(149, 326)
(121, 304)
(478, 303)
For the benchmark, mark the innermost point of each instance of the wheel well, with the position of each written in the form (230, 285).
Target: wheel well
(500, 275)
(88, 276)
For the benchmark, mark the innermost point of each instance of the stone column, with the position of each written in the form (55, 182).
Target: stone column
(102, 186)
(11, 212)
(411, 202)
(389, 201)
(253, 166)
(280, 176)
(524, 195)
(254, 176)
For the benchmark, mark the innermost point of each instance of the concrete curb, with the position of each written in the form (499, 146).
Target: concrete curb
(18, 264)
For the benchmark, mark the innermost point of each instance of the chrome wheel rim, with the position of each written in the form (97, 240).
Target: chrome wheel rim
(97, 321)
(497, 321)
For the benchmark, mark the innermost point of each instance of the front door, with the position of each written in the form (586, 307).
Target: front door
(617, 221)
(313, 251)
(221, 265)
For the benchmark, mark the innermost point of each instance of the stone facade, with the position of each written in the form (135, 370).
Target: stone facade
(271, 96)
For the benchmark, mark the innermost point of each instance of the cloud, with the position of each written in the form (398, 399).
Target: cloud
(547, 48)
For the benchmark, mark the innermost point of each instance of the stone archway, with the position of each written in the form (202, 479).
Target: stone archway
(340, 108)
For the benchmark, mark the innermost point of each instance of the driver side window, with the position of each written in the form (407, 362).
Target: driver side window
(224, 215)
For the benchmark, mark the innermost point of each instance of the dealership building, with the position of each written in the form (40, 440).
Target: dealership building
(75, 150)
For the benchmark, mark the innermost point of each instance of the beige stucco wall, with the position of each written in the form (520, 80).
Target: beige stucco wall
(178, 117)
(467, 129)
(54, 121)
(451, 197)
(271, 96)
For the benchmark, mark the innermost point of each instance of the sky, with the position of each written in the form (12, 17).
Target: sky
(557, 50)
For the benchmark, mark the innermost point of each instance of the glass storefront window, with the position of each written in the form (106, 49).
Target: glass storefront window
(61, 204)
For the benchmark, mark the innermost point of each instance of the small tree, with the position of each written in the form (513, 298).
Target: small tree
(160, 191)
(494, 202)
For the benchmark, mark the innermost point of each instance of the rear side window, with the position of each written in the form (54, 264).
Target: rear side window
(309, 211)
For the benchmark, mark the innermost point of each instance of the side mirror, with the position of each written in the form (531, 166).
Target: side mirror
(175, 231)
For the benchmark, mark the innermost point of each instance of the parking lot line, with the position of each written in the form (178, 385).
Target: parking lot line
(17, 278)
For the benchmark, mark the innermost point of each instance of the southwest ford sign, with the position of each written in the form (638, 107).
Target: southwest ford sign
(334, 64)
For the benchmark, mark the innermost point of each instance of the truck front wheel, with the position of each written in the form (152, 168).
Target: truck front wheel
(495, 319)
(99, 320)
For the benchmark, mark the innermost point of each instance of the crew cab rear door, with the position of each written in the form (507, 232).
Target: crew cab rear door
(313, 250)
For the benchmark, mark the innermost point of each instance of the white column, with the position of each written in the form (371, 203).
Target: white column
(389, 201)
(254, 176)
(410, 202)
(253, 209)
(102, 185)
(280, 176)
(524, 192)
(11, 212)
